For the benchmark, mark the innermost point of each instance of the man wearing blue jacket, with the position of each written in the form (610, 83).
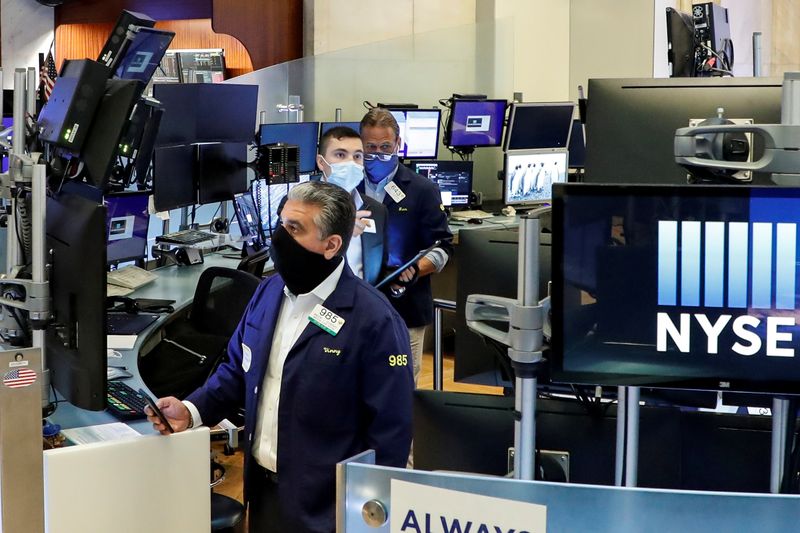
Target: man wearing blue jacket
(321, 363)
(416, 221)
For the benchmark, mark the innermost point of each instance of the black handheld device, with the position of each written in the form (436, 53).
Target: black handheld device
(156, 410)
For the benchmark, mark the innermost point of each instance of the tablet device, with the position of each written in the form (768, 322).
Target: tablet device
(156, 410)
(407, 264)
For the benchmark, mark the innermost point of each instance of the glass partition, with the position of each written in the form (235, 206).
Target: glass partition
(419, 69)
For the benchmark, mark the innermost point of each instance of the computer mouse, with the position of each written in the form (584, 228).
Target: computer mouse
(474, 221)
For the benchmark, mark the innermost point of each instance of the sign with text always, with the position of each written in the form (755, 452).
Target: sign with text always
(419, 508)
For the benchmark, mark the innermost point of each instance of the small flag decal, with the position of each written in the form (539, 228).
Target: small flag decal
(19, 377)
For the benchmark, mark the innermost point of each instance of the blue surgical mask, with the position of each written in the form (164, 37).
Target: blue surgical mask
(346, 174)
(379, 166)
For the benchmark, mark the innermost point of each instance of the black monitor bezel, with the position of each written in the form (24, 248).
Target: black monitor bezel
(304, 170)
(468, 164)
(76, 229)
(448, 131)
(559, 375)
(512, 116)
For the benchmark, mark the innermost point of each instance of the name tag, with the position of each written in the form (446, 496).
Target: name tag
(369, 225)
(394, 191)
(326, 320)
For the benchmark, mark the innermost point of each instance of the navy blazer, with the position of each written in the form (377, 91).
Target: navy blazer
(374, 252)
(340, 395)
(415, 223)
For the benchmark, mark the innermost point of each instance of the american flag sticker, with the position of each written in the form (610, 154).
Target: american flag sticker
(19, 377)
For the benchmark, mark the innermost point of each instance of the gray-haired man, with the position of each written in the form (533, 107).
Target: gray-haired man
(321, 363)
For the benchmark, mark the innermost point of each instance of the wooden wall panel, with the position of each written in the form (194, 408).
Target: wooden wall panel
(271, 30)
(79, 41)
(94, 11)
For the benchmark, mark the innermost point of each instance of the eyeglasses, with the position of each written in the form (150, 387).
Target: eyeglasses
(378, 156)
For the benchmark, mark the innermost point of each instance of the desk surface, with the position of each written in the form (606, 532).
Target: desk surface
(173, 283)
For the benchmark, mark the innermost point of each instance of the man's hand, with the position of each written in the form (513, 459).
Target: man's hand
(174, 410)
(424, 267)
(362, 222)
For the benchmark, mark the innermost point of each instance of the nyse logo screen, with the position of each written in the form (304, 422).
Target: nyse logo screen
(682, 289)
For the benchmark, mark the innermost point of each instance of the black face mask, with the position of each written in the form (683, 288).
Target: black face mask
(301, 269)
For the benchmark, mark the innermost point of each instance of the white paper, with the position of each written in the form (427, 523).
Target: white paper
(421, 508)
(100, 433)
(120, 342)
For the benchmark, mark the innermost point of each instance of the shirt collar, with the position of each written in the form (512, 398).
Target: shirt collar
(357, 199)
(324, 289)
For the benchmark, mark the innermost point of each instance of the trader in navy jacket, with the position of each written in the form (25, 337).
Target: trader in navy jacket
(417, 219)
(320, 362)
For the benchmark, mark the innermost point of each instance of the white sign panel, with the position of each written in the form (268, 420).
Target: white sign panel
(422, 509)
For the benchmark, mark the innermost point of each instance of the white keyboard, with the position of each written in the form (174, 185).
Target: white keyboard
(130, 277)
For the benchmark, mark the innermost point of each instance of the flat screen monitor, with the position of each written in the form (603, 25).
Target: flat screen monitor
(325, 126)
(221, 171)
(267, 199)
(127, 220)
(534, 126)
(249, 219)
(302, 134)
(76, 338)
(530, 175)
(202, 66)
(144, 54)
(419, 131)
(676, 286)
(476, 123)
(680, 43)
(631, 123)
(168, 70)
(577, 145)
(199, 113)
(454, 179)
(174, 180)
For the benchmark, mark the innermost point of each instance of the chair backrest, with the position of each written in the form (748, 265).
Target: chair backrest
(221, 296)
(255, 262)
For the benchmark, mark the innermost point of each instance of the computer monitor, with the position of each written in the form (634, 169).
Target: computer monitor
(302, 134)
(675, 287)
(631, 123)
(174, 177)
(102, 146)
(168, 70)
(539, 125)
(127, 221)
(200, 113)
(577, 145)
(76, 339)
(419, 131)
(267, 199)
(143, 55)
(475, 123)
(202, 65)
(530, 175)
(249, 220)
(325, 126)
(221, 171)
(680, 44)
(454, 179)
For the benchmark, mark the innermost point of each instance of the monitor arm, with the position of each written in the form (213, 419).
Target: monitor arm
(781, 141)
(524, 338)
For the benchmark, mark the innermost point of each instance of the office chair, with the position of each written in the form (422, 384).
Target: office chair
(227, 514)
(255, 262)
(192, 348)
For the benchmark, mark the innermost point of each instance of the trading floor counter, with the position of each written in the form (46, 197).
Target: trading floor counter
(173, 283)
